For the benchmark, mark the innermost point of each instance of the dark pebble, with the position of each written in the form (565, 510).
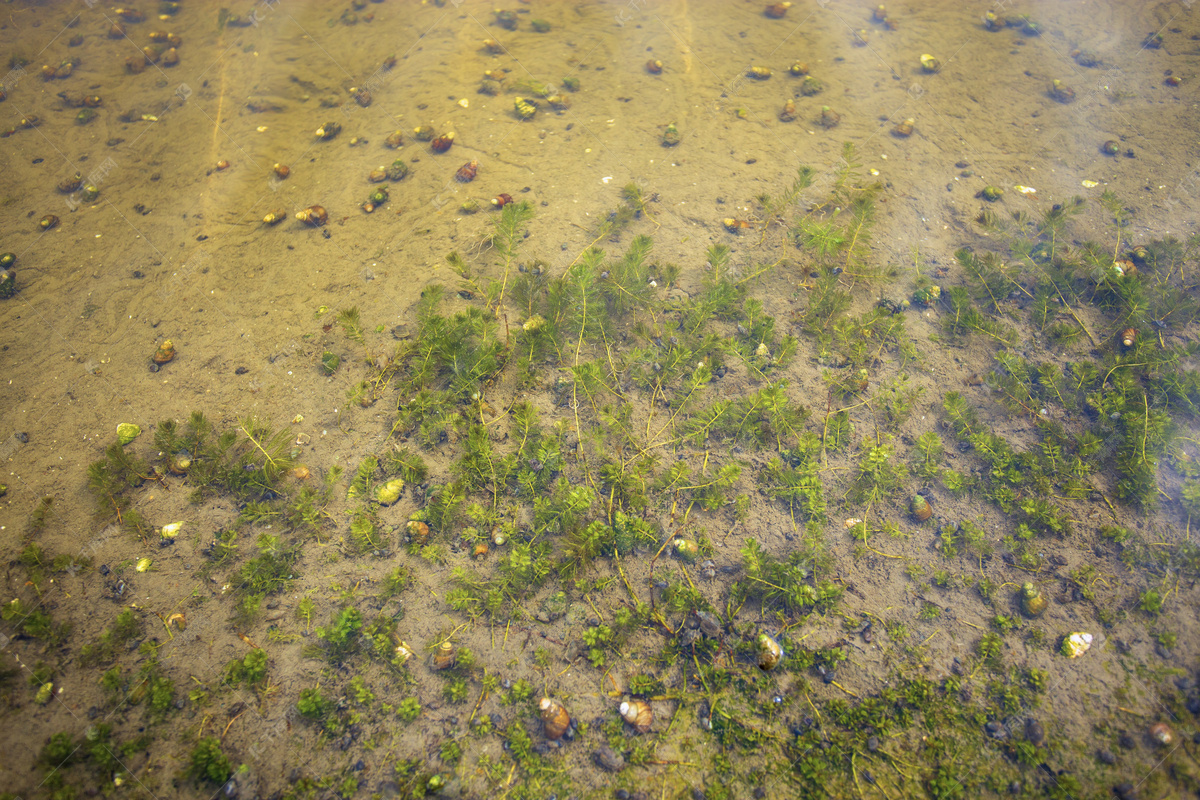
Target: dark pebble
(240, 371)
(1014, 787)
(154, 367)
(621, 794)
(104, 569)
(995, 730)
(873, 743)
(697, 794)
(22, 437)
(1125, 791)
(1126, 741)
(1106, 757)
(1034, 732)
(759, 793)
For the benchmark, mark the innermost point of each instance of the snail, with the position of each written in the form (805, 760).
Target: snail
(152, 54)
(798, 70)
(880, 13)
(418, 531)
(377, 175)
(1162, 734)
(493, 47)
(555, 719)
(117, 30)
(904, 129)
(829, 118)
(501, 200)
(135, 65)
(313, 215)
(363, 97)
(811, 86)
(69, 185)
(654, 67)
(638, 714)
(47, 222)
(442, 143)
(444, 657)
(1033, 602)
(481, 550)
(993, 22)
(466, 173)
(686, 549)
(788, 113)
(281, 171)
(423, 133)
(165, 352)
(390, 491)
(398, 170)
(777, 10)
(1128, 337)
(1076, 644)
(328, 131)
(769, 653)
(920, 508)
(1061, 92)
(758, 73)
(8, 282)
(991, 193)
(670, 136)
(222, 165)
(170, 57)
(929, 63)
(525, 109)
(1110, 148)
(275, 217)
(394, 140)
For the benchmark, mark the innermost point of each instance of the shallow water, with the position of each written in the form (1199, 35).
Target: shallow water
(174, 248)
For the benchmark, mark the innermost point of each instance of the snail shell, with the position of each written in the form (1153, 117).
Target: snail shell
(920, 508)
(165, 352)
(1162, 734)
(281, 171)
(170, 57)
(444, 657)
(777, 10)
(638, 714)
(1128, 337)
(313, 215)
(1033, 602)
(555, 719)
(481, 549)
(394, 140)
(904, 129)
(789, 111)
(769, 652)
(418, 532)
(654, 67)
(442, 143)
(275, 217)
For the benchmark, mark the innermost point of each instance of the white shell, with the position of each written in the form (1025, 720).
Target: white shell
(1076, 644)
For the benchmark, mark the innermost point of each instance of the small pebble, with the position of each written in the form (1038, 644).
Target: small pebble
(1106, 757)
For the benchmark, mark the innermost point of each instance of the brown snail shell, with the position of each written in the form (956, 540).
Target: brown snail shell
(481, 550)
(1033, 602)
(418, 532)
(117, 31)
(71, 184)
(165, 352)
(377, 175)
(442, 143)
(313, 215)
(47, 222)
(789, 111)
(769, 652)
(654, 67)
(444, 657)
(170, 57)
(638, 714)
(1162, 734)
(920, 508)
(904, 129)
(394, 140)
(136, 64)
(1128, 337)
(281, 171)
(777, 10)
(555, 719)
(275, 217)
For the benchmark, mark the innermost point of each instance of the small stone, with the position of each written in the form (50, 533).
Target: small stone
(1106, 757)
